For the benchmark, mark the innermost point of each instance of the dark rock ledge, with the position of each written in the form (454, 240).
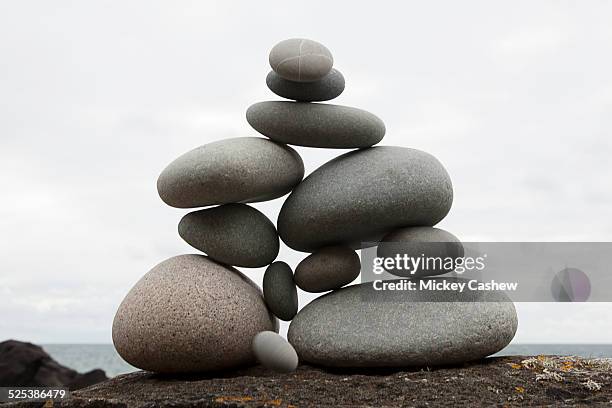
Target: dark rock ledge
(504, 381)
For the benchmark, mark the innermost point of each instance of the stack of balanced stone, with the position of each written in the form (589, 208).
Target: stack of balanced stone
(196, 313)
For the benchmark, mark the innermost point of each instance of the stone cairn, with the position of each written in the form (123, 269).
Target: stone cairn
(197, 313)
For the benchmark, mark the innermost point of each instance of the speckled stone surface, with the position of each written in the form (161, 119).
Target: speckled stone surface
(279, 291)
(327, 269)
(301, 60)
(359, 327)
(248, 169)
(233, 234)
(363, 195)
(429, 242)
(325, 89)
(274, 352)
(190, 314)
(316, 124)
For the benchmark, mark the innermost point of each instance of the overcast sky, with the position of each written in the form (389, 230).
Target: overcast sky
(96, 98)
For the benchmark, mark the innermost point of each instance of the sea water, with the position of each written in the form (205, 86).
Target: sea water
(85, 357)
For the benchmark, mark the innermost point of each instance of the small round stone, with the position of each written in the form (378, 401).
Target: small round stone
(239, 170)
(316, 124)
(359, 326)
(301, 60)
(233, 234)
(274, 352)
(327, 269)
(279, 291)
(190, 314)
(362, 195)
(426, 242)
(325, 89)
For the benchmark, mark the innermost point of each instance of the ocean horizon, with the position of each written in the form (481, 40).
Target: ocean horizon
(86, 357)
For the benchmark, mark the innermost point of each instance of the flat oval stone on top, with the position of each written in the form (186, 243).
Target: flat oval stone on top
(316, 124)
(325, 89)
(239, 170)
(301, 60)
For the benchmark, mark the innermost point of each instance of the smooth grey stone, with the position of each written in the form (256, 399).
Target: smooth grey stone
(357, 326)
(327, 269)
(247, 169)
(233, 234)
(301, 60)
(316, 124)
(190, 314)
(362, 195)
(279, 291)
(325, 89)
(274, 352)
(427, 243)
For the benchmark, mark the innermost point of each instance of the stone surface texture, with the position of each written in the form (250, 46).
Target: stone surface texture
(233, 234)
(357, 326)
(325, 89)
(248, 169)
(363, 195)
(279, 291)
(190, 314)
(316, 124)
(327, 269)
(301, 60)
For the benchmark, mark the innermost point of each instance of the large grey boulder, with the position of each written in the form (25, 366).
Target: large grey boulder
(316, 124)
(190, 314)
(325, 89)
(301, 60)
(247, 169)
(233, 234)
(357, 326)
(362, 195)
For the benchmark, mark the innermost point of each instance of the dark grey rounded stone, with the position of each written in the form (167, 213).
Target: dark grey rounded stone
(274, 352)
(233, 234)
(327, 269)
(301, 60)
(426, 242)
(325, 89)
(247, 169)
(316, 124)
(279, 291)
(190, 314)
(357, 326)
(362, 195)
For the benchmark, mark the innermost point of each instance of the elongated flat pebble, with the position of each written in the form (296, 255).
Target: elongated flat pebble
(301, 60)
(274, 352)
(325, 89)
(279, 291)
(316, 124)
(234, 234)
(327, 269)
(239, 170)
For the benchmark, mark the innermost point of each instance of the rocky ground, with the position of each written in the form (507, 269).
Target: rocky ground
(505, 381)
